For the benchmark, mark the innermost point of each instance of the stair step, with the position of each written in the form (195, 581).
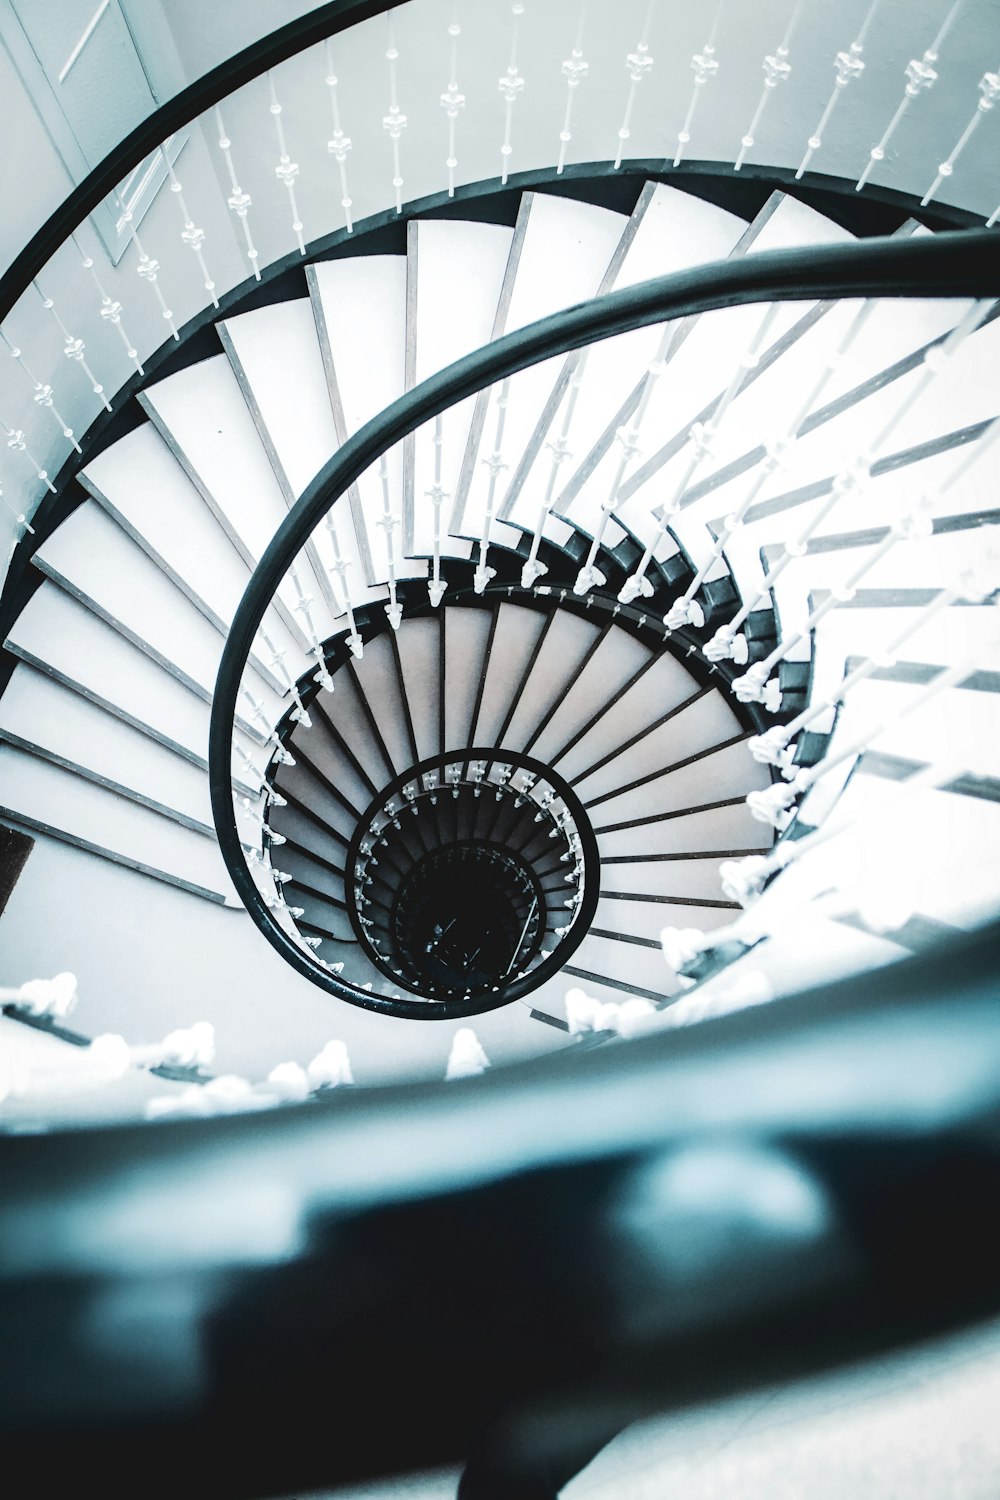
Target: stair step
(727, 772)
(565, 643)
(695, 377)
(143, 487)
(57, 634)
(359, 305)
(705, 721)
(627, 963)
(668, 232)
(455, 275)
(581, 240)
(56, 801)
(656, 690)
(44, 718)
(94, 559)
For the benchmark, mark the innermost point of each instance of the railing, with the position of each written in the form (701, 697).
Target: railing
(514, 1246)
(944, 265)
(282, 184)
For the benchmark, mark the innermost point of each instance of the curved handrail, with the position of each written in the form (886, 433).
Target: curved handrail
(325, 21)
(948, 264)
(355, 1289)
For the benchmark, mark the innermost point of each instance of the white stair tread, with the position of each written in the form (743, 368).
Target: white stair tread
(629, 963)
(517, 631)
(280, 368)
(672, 231)
(466, 633)
(662, 688)
(56, 630)
(581, 240)
(647, 919)
(420, 651)
(40, 713)
(378, 679)
(963, 632)
(613, 664)
(886, 500)
(457, 271)
(147, 491)
(728, 772)
(362, 322)
(566, 643)
(707, 721)
(202, 412)
(700, 369)
(730, 827)
(934, 850)
(65, 803)
(955, 726)
(98, 562)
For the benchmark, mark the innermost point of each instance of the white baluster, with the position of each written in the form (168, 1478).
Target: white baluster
(510, 85)
(776, 69)
(847, 66)
(495, 466)
(191, 235)
(756, 685)
(638, 64)
(331, 1068)
(574, 70)
(744, 879)
(287, 170)
(111, 311)
(436, 586)
(466, 1058)
(451, 100)
(389, 522)
(989, 92)
(774, 746)
(239, 202)
(339, 144)
(73, 348)
(52, 999)
(726, 642)
(16, 443)
(338, 568)
(775, 804)
(19, 516)
(43, 393)
(704, 65)
(920, 75)
(686, 610)
(395, 121)
(148, 269)
(560, 451)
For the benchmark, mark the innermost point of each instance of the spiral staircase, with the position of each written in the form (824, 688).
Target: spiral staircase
(644, 681)
(104, 722)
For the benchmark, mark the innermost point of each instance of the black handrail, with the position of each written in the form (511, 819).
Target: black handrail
(211, 89)
(354, 1288)
(953, 264)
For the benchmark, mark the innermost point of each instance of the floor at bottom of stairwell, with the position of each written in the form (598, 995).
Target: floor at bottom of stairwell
(920, 1425)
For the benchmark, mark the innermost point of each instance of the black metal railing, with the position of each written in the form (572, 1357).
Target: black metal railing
(364, 1285)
